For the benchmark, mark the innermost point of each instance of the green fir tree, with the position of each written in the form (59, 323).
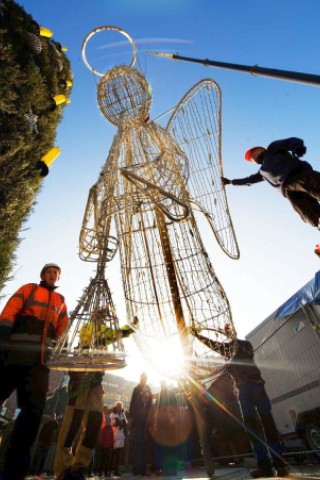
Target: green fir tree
(33, 69)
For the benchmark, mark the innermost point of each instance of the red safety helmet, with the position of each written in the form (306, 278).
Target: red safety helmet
(249, 153)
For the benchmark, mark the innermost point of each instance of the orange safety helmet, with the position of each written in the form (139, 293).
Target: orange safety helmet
(249, 152)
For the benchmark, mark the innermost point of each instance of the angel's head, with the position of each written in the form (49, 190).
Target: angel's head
(124, 93)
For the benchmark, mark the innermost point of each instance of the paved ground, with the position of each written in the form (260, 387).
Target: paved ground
(303, 472)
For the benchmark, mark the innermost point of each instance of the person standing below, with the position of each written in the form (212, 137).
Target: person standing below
(139, 415)
(84, 411)
(31, 321)
(254, 402)
(44, 441)
(106, 442)
(283, 169)
(166, 431)
(118, 421)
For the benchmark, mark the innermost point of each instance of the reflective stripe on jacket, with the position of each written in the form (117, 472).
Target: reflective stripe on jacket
(34, 310)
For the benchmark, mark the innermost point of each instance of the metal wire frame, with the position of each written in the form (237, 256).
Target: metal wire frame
(169, 282)
(149, 275)
(123, 93)
(95, 310)
(196, 126)
(101, 29)
(144, 190)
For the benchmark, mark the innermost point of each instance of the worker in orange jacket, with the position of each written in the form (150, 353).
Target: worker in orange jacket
(31, 321)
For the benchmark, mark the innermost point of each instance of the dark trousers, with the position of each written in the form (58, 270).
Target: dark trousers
(166, 459)
(31, 384)
(115, 460)
(140, 448)
(259, 423)
(105, 462)
(40, 458)
(303, 192)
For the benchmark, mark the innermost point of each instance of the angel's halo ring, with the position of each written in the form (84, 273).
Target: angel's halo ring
(100, 29)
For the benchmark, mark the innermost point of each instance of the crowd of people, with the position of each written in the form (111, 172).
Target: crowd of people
(88, 439)
(92, 441)
(151, 426)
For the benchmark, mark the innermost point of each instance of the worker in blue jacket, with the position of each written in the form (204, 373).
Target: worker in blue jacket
(295, 179)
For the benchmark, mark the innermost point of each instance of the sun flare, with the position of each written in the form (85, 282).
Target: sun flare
(167, 358)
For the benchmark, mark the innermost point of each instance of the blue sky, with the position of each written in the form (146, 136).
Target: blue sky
(276, 246)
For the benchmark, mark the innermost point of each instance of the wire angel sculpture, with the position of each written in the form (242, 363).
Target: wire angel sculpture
(153, 185)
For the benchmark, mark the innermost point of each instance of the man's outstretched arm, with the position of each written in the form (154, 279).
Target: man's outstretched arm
(255, 178)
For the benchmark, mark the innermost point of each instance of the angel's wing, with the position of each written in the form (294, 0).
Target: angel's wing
(196, 126)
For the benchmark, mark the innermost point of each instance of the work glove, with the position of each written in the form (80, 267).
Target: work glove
(126, 332)
(300, 150)
(225, 181)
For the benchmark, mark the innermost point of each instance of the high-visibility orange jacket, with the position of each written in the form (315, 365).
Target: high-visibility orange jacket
(35, 314)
